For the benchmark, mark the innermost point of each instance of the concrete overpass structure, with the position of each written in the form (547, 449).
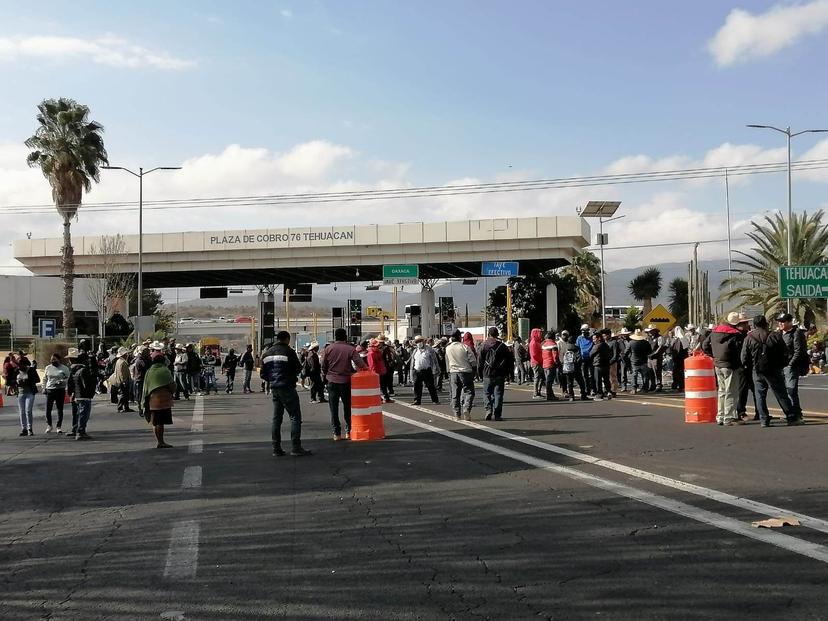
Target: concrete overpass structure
(327, 254)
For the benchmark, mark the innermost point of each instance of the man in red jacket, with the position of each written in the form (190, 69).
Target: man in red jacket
(376, 363)
(536, 359)
(549, 354)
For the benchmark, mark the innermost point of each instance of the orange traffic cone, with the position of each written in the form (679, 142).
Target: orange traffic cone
(366, 407)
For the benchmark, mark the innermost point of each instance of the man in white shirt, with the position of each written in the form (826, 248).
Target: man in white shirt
(424, 367)
(461, 364)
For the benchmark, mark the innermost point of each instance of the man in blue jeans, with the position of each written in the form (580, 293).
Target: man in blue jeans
(247, 361)
(495, 362)
(338, 363)
(82, 386)
(796, 363)
(280, 368)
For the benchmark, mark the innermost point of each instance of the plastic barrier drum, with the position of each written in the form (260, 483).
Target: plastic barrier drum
(366, 407)
(700, 394)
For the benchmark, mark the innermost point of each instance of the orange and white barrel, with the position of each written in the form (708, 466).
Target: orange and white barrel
(700, 393)
(366, 407)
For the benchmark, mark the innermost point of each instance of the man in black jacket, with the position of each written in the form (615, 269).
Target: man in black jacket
(280, 368)
(600, 356)
(496, 361)
(764, 355)
(797, 362)
(247, 361)
(640, 350)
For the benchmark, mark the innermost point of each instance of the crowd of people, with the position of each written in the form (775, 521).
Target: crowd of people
(599, 363)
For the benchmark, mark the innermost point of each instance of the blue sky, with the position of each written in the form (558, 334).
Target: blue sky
(424, 93)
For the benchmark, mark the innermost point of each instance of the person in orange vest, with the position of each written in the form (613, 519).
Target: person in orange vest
(551, 361)
(377, 364)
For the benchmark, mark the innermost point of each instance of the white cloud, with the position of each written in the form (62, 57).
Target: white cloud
(108, 50)
(286, 13)
(818, 152)
(746, 36)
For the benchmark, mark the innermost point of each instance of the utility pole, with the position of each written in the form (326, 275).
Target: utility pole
(508, 311)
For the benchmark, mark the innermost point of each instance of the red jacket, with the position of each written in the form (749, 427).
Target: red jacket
(375, 361)
(535, 355)
(550, 353)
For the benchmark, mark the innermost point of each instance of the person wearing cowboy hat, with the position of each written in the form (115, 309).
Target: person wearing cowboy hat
(656, 362)
(424, 368)
(122, 380)
(640, 350)
(724, 345)
(181, 372)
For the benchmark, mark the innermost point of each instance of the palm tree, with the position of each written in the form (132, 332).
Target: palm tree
(69, 150)
(585, 268)
(755, 282)
(646, 286)
(679, 303)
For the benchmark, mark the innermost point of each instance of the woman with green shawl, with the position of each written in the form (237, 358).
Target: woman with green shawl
(157, 395)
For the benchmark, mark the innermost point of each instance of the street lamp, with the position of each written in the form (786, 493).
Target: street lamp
(140, 174)
(601, 210)
(789, 135)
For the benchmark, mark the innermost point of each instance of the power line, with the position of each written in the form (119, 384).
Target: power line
(435, 191)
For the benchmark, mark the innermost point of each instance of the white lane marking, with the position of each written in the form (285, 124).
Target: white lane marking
(197, 427)
(196, 446)
(182, 555)
(698, 490)
(198, 409)
(786, 542)
(191, 478)
(801, 387)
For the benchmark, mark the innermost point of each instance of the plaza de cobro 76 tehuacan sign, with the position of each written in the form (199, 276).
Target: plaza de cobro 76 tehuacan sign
(803, 281)
(275, 239)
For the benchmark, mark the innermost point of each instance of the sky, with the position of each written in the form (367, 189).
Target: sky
(259, 97)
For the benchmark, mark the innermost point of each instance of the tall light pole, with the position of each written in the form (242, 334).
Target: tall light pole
(789, 135)
(601, 210)
(140, 174)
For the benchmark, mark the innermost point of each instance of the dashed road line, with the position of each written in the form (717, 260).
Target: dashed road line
(785, 542)
(192, 477)
(196, 446)
(182, 554)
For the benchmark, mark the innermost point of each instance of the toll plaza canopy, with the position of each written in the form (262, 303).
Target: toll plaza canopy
(325, 254)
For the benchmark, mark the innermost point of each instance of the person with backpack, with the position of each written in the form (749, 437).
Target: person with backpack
(496, 360)
(764, 356)
(83, 385)
(536, 360)
(247, 361)
(550, 357)
(570, 355)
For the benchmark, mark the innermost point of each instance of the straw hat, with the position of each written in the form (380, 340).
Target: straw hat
(419, 338)
(625, 331)
(638, 335)
(690, 326)
(584, 327)
(73, 352)
(733, 319)
(122, 351)
(314, 345)
(157, 346)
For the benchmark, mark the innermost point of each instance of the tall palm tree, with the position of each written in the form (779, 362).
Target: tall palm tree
(646, 286)
(586, 270)
(755, 280)
(69, 150)
(679, 300)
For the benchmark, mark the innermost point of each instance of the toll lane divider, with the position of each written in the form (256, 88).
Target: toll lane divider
(697, 490)
(785, 542)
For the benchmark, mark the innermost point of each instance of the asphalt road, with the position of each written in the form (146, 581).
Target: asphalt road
(613, 510)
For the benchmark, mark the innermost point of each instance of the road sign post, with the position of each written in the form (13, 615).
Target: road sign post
(661, 318)
(803, 281)
(400, 275)
(46, 328)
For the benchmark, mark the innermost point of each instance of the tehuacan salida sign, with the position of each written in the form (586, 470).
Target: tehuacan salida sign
(803, 281)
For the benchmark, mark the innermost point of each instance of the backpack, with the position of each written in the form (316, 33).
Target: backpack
(760, 358)
(569, 361)
(491, 358)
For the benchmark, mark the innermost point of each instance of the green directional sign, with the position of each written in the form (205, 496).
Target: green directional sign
(803, 281)
(400, 274)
